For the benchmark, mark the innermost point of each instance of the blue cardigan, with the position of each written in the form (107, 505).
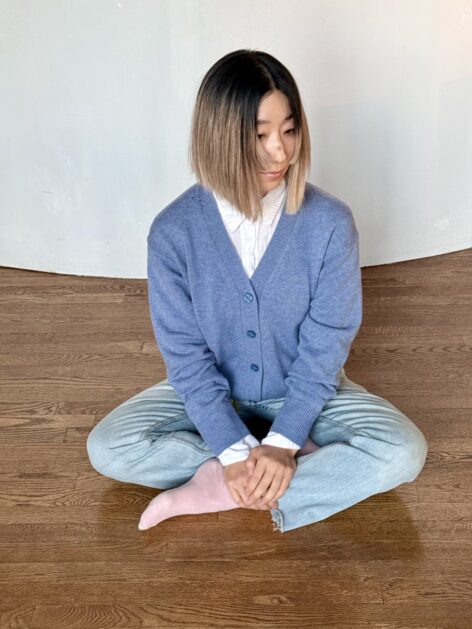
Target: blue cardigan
(284, 333)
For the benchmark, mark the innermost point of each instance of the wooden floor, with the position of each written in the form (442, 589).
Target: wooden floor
(72, 348)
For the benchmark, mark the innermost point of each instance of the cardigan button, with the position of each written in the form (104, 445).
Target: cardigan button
(248, 297)
(254, 367)
(251, 333)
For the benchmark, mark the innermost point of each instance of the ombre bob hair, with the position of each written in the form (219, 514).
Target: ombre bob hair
(225, 153)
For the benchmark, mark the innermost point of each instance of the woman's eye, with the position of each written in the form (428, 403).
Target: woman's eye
(262, 135)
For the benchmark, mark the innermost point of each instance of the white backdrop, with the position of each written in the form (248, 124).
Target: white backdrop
(96, 100)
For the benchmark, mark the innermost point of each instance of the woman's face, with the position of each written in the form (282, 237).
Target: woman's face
(276, 131)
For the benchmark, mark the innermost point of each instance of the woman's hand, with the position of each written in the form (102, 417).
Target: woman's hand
(236, 477)
(271, 469)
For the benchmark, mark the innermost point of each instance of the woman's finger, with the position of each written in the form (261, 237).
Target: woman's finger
(250, 465)
(282, 482)
(247, 502)
(274, 489)
(234, 495)
(283, 487)
(238, 494)
(256, 476)
(263, 486)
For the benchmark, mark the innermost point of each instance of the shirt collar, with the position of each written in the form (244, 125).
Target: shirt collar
(271, 204)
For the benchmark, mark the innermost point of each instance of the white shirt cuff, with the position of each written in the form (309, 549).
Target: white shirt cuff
(278, 440)
(239, 451)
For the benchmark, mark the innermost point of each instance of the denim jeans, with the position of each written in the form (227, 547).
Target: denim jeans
(367, 446)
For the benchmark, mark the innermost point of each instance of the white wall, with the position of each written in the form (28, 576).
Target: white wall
(97, 97)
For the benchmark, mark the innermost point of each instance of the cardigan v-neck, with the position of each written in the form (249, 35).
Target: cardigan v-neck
(229, 256)
(251, 237)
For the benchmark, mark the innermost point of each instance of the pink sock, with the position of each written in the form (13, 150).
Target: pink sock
(205, 492)
(308, 446)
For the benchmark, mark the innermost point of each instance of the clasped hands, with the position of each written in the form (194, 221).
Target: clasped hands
(260, 480)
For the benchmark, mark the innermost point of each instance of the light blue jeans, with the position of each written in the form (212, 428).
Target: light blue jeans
(368, 446)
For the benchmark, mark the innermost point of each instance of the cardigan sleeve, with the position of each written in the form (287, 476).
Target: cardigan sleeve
(191, 365)
(325, 335)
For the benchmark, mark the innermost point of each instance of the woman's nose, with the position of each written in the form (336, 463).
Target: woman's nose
(277, 150)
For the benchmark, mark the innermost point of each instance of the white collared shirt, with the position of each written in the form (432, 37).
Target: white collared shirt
(250, 240)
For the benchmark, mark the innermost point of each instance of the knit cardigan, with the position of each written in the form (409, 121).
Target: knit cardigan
(250, 239)
(285, 333)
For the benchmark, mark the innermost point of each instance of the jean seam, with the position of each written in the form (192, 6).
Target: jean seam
(182, 441)
(160, 442)
(162, 422)
(339, 424)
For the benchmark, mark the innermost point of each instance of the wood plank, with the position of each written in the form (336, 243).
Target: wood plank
(273, 611)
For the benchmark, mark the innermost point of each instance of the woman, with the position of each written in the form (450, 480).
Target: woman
(255, 297)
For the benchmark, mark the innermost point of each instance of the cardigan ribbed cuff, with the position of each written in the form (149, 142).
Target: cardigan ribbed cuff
(296, 418)
(218, 423)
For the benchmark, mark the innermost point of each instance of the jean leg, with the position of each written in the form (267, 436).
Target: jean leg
(368, 446)
(148, 440)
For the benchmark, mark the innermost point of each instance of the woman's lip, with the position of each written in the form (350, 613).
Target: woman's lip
(272, 172)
